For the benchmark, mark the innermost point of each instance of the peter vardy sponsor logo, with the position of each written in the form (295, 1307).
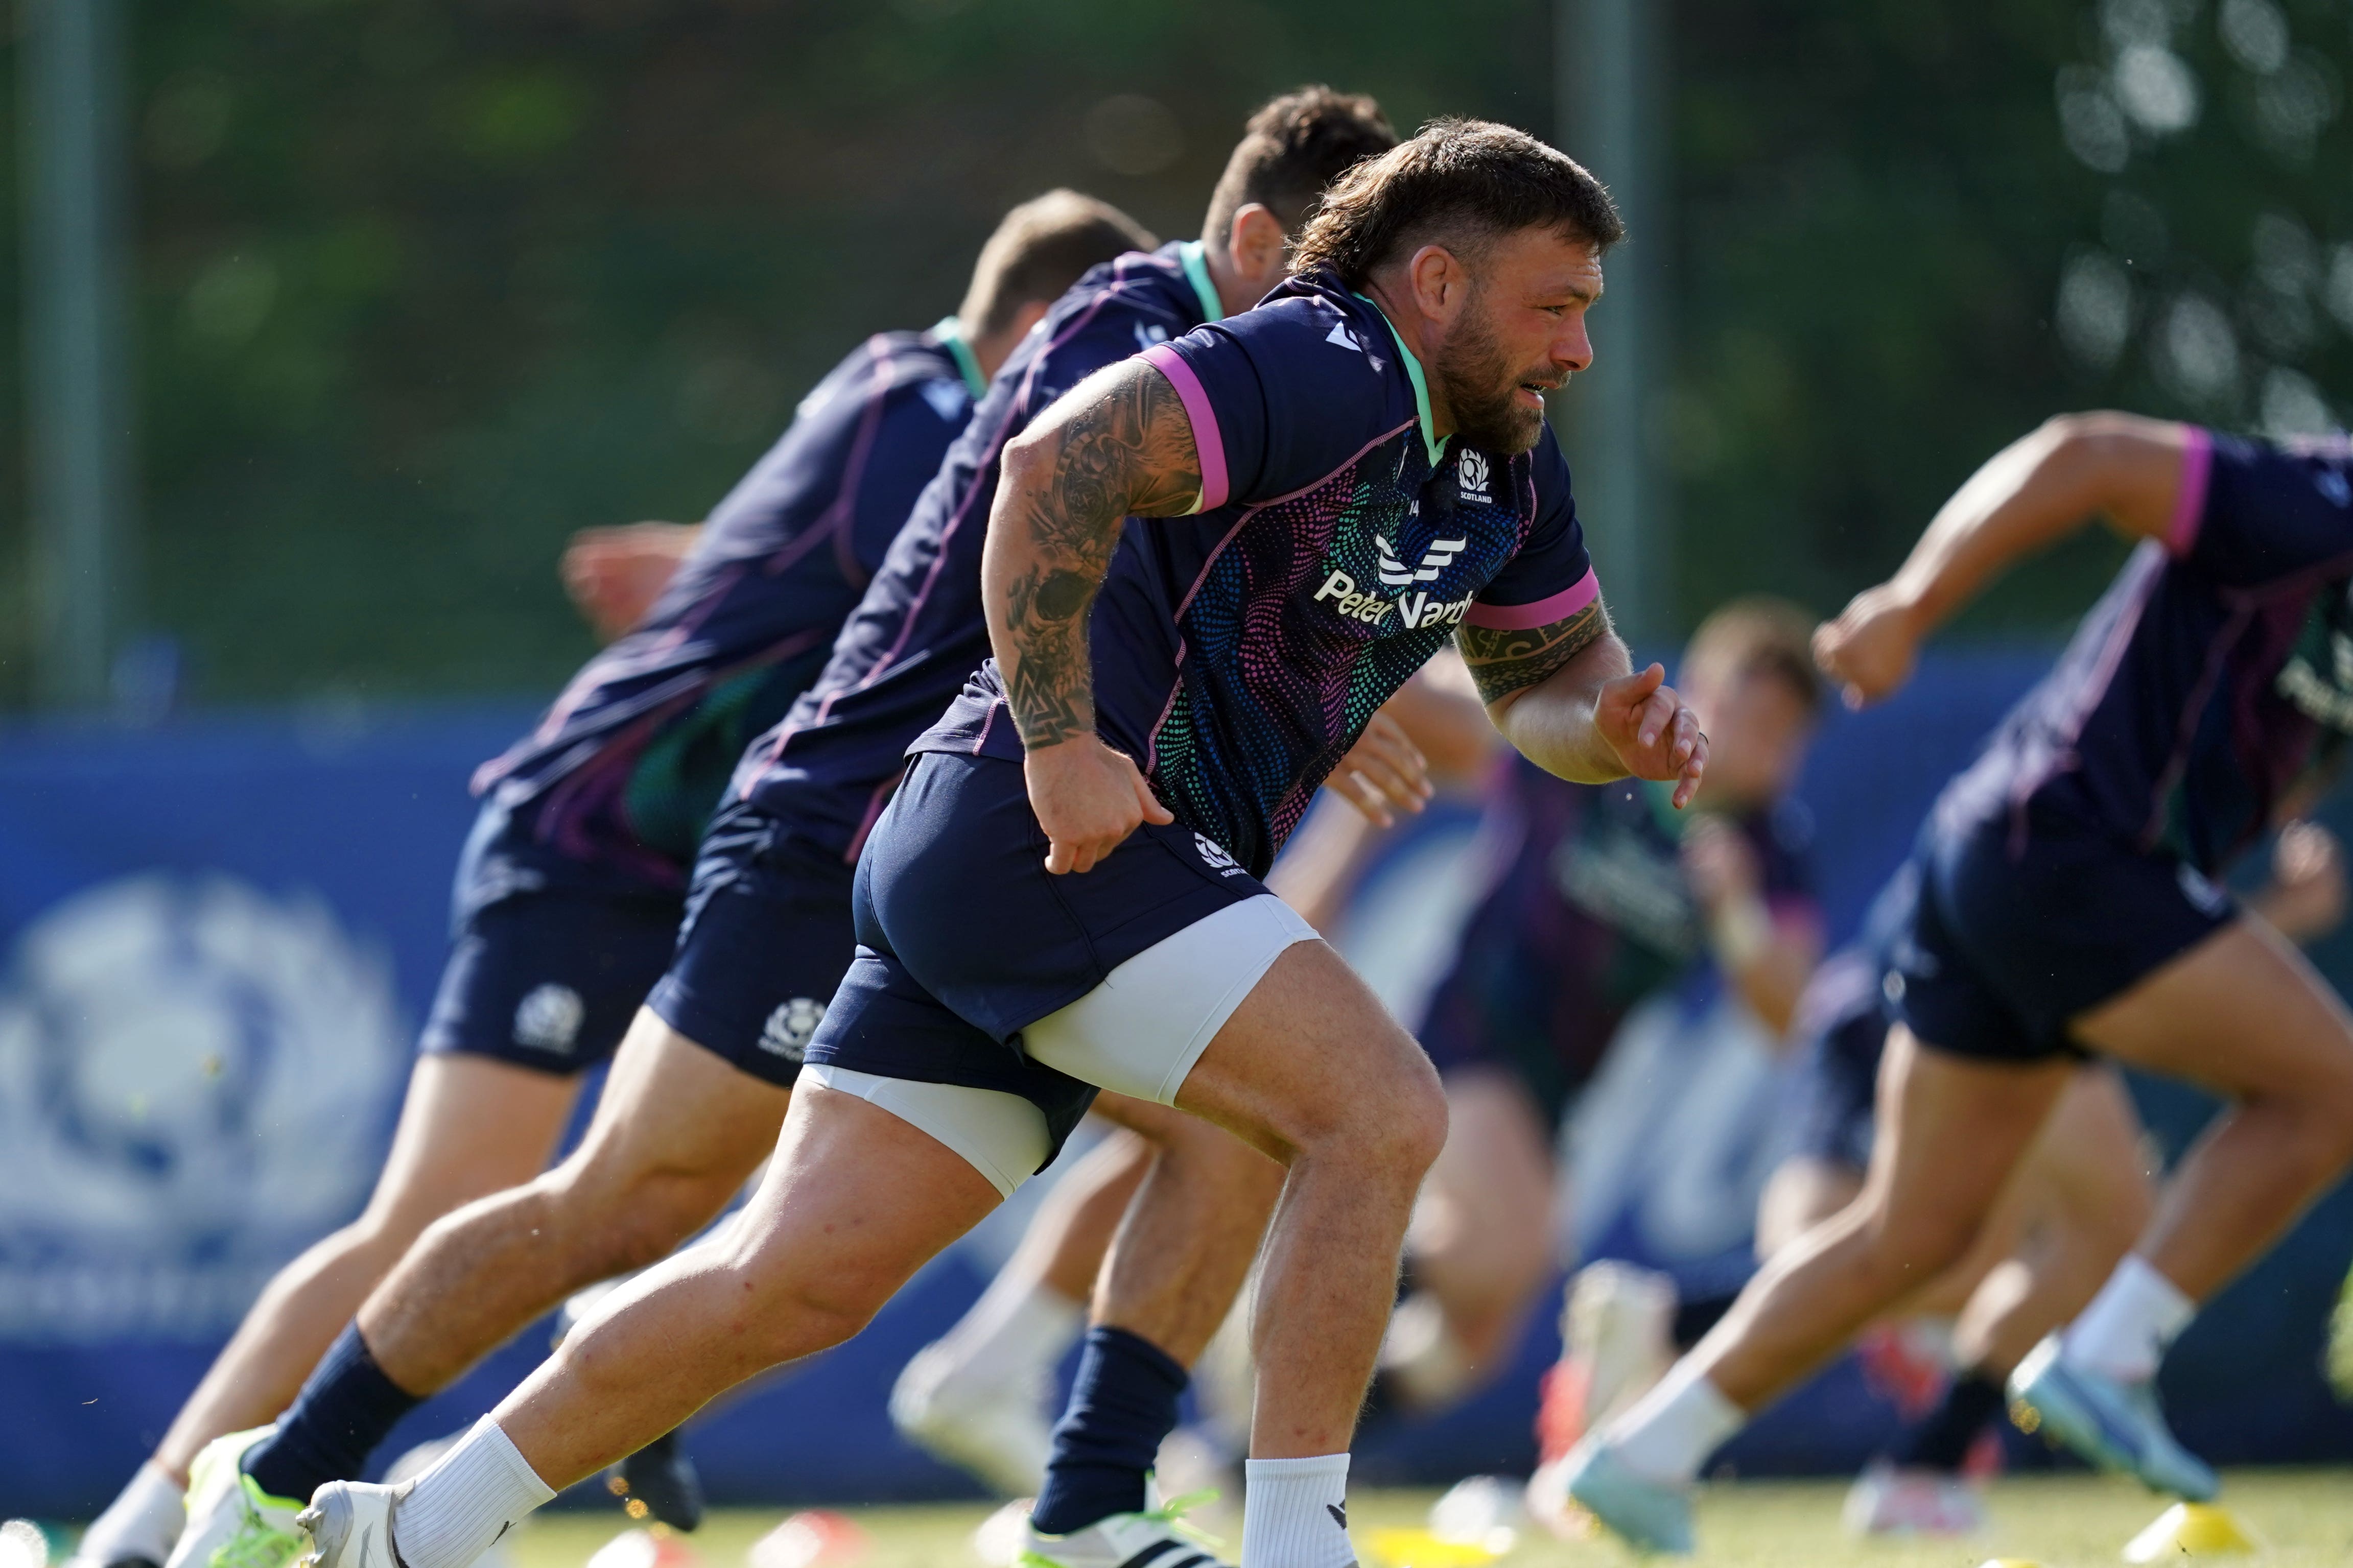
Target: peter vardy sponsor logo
(1414, 611)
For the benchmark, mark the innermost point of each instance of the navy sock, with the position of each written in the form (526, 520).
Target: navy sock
(1941, 1440)
(1122, 1405)
(346, 1408)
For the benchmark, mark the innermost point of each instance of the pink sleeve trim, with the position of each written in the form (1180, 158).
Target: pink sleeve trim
(1543, 612)
(1207, 440)
(2189, 504)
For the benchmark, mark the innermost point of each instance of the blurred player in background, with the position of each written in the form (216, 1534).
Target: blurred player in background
(1248, 645)
(2066, 903)
(570, 891)
(1598, 897)
(2080, 1198)
(767, 934)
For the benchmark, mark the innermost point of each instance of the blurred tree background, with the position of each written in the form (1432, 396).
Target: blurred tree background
(426, 285)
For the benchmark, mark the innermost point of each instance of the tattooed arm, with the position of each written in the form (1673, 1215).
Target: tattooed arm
(1118, 446)
(1564, 694)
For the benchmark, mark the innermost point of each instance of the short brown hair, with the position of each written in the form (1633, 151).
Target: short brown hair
(1294, 146)
(1460, 183)
(1760, 635)
(1038, 250)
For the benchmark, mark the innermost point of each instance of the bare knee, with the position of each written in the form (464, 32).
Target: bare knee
(609, 1227)
(1908, 1250)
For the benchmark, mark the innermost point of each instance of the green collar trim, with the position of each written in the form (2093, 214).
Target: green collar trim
(1195, 256)
(950, 332)
(1436, 443)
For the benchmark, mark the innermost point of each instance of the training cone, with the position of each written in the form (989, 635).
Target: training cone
(1422, 1548)
(2010, 1563)
(2189, 1530)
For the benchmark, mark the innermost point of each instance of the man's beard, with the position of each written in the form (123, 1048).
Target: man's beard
(1480, 381)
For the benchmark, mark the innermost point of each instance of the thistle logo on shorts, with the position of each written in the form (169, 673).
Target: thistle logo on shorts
(1471, 475)
(548, 1018)
(791, 1027)
(1223, 864)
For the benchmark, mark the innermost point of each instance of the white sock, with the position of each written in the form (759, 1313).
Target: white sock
(145, 1520)
(1295, 1513)
(1013, 1337)
(2126, 1330)
(482, 1488)
(1672, 1430)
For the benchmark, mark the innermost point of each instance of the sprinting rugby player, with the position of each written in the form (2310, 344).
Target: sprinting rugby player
(569, 897)
(767, 930)
(2076, 1203)
(1306, 538)
(978, 1396)
(2067, 904)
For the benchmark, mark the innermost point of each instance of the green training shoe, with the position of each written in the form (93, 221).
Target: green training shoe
(232, 1522)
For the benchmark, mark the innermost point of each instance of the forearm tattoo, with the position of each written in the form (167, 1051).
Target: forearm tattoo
(1503, 662)
(1125, 451)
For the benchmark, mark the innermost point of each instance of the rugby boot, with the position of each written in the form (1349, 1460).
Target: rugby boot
(1650, 1516)
(350, 1526)
(1001, 1434)
(2116, 1425)
(1158, 1538)
(232, 1522)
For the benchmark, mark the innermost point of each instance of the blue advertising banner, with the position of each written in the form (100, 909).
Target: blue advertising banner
(217, 938)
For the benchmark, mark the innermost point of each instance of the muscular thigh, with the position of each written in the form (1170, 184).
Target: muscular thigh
(2242, 1012)
(1311, 1053)
(671, 1108)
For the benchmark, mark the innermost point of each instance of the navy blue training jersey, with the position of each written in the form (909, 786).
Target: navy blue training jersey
(919, 632)
(1239, 652)
(616, 781)
(2199, 687)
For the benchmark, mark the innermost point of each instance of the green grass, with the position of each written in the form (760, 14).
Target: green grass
(2304, 1517)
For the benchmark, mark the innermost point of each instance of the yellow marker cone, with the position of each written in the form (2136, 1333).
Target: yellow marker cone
(1420, 1548)
(2189, 1530)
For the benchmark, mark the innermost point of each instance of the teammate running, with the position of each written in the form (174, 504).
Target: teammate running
(767, 929)
(2067, 904)
(2080, 1199)
(1318, 542)
(568, 901)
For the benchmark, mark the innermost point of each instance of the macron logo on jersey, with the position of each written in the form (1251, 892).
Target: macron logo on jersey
(1341, 335)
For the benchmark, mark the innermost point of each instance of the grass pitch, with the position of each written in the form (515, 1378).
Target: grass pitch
(2303, 1519)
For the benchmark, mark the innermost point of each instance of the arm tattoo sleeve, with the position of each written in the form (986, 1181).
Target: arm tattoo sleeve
(1503, 662)
(1126, 450)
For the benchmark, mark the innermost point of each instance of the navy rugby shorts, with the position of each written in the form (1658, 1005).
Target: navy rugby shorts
(965, 939)
(2021, 929)
(764, 942)
(549, 979)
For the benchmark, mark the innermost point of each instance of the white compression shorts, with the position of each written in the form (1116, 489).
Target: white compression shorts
(1138, 1032)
